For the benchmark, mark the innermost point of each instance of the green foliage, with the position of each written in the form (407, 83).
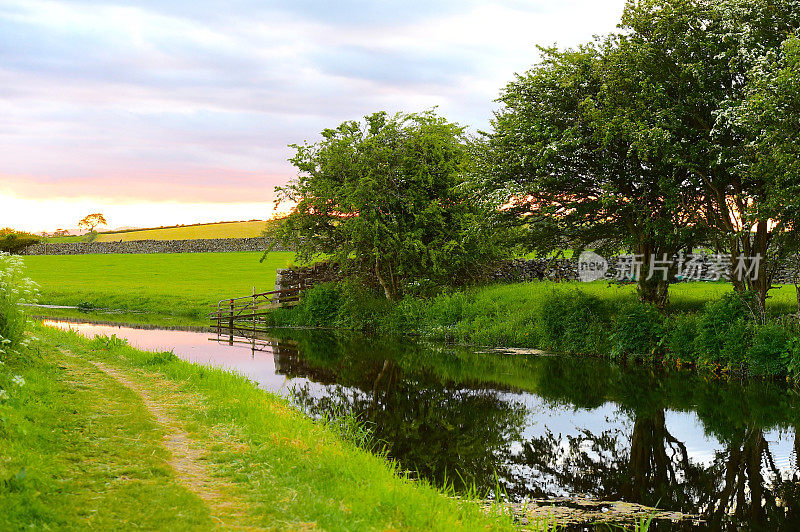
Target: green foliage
(350, 427)
(362, 308)
(163, 357)
(581, 166)
(770, 345)
(573, 322)
(723, 332)
(319, 305)
(679, 338)
(638, 330)
(12, 241)
(387, 198)
(108, 343)
(791, 358)
(15, 291)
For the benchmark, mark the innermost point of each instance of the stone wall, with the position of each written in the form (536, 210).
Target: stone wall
(208, 245)
(302, 277)
(567, 270)
(514, 270)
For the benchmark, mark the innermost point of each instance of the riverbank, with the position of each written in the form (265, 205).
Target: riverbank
(99, 434)
(701, 327)
(706, 325)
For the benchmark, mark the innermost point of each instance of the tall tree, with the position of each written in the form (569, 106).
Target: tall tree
(658, 135)
(707, 55)
(389, 198)
(580, 166)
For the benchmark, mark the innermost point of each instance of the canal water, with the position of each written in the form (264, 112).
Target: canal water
(537, 426)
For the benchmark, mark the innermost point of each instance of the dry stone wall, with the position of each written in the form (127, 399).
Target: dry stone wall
(209, 245)
(514, 270)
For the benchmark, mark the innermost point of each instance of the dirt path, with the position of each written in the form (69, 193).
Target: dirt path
(186, 456)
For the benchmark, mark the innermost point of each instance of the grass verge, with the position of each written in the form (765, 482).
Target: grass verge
(79, 449)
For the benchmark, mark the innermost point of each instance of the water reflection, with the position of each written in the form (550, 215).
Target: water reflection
(541, 426)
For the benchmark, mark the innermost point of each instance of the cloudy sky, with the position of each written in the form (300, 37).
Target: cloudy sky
(162, 112)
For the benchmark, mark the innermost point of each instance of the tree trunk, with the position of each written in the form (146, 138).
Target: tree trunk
(656, 289)
(388, 288)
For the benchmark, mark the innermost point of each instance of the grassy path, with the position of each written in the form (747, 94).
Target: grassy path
(185, 455)
(108, 437)
(81, 452)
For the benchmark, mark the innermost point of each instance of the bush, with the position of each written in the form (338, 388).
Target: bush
(14, 242)
(638, 330)
(791, 358)
(766, 355)
(15, 291)
(361, 307)
(724, 332)
(573, 322)
(680, 334)
(319, 306)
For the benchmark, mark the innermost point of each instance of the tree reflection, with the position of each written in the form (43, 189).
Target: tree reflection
(459, 416)
(443, 432)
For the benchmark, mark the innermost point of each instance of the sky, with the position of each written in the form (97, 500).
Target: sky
(160, 112)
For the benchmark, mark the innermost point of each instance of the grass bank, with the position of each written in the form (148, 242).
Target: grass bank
(97, 434)
(172, 287)
(706, 324)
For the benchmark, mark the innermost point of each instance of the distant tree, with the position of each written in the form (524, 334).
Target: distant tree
(91, 221)
(389, 198)
(13, 241)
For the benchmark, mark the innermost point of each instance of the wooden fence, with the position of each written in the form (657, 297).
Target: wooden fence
(237, 312)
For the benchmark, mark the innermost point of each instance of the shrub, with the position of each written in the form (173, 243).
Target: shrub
(680, 334)
(361, 307)
(15, 241)
(638, 330)
(15, 291)
(791, 358)
(319, 305)
(723, 332)
(767, 353)
(108, 343)
(572, 322)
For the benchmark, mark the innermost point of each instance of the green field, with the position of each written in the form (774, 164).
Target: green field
(188, 232)
(183, 285)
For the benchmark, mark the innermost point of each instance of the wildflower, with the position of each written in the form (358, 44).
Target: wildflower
(3, 395)
(18, 380)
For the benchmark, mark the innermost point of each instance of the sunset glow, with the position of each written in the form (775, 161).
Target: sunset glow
(161, 113)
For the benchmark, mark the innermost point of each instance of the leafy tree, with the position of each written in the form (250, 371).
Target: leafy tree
(388, 198)
(581, 167)
(703, 58)
(91, 221)
(12, 241)
(658, 135)
(769, 118)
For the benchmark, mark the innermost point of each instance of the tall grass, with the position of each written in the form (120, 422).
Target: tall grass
(15, 291)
